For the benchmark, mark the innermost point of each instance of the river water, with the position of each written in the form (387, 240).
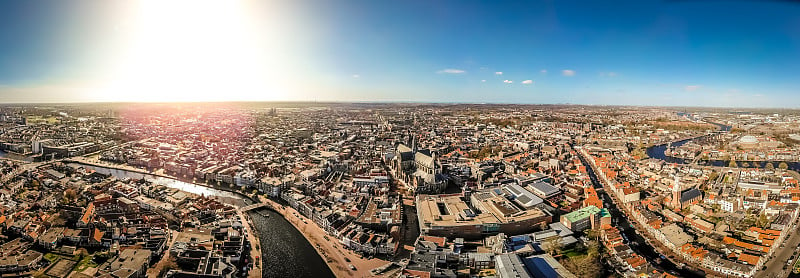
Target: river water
(641, 246)
(285, 251)
(658, 152)
(4, 154)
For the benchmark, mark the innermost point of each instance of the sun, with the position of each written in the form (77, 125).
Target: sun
(193, 50)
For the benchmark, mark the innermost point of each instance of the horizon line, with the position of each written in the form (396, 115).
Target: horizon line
(387, 102)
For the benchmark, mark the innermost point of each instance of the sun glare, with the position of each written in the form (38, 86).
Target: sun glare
(192, 50)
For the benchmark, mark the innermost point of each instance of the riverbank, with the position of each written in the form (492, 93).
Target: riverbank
(109, 165)
(273, 236)
(659, 152)
(157, 174)
(329, 248)
(255, 252)
(252, 234)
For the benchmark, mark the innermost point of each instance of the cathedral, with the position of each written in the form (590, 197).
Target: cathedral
(681, 199)
(420, 170)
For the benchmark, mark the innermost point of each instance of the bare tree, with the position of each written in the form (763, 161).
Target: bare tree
(593, 233)
(552, 245)
(588, 266)
(70, 194)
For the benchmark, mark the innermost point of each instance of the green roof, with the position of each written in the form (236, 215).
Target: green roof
(582, 213)
(604, 213)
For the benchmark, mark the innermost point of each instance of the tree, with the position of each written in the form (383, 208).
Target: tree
(769, 166)
(732, 163)
(552, 245)
(713, 176)
(101, 257)
(70, 194)
(593, 233)
(783, 166)
(82, 252)
(794, 174)
(588, 265)
(745, 164)
(763, 221)
(593, 248)
(58, 221)
(638, 152)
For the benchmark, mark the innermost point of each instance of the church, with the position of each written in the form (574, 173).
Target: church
(684, 198)
(420, 170)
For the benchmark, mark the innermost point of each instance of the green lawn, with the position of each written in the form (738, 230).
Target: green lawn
(85, 263)
(51, 257)
(574, 253)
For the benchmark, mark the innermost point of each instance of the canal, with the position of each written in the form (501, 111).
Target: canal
(4, 154)
(636, 242)
(284, 250)
(659, 152)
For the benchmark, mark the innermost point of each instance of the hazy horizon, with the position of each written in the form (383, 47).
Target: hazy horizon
(396, 103)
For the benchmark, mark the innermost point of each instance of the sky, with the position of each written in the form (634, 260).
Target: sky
(671, 53)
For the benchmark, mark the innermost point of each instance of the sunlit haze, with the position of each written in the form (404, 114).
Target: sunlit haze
(695, 53)
(193, 51)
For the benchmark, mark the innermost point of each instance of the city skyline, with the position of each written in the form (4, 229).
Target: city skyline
(671, 53)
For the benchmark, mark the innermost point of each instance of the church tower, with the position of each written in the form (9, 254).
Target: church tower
(414, 143)
(676, 193)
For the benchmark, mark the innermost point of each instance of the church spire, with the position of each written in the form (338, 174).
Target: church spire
(676, 193)
(414, 143)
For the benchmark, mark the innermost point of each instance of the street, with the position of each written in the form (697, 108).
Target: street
(778, 261)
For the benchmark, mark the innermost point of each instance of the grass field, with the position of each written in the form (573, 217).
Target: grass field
(574, 253)
(51, 257)
(85, 263)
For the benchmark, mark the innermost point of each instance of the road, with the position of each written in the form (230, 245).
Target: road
(778, 261)
(255, 252)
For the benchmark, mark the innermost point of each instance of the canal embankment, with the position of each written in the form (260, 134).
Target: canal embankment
(282, 247)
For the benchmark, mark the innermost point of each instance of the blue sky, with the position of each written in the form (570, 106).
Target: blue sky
(699, 53)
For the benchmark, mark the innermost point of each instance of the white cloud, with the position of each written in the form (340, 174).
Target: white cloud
(484, 80)
(356, 76)
(543, 71)
(527, 81)
(499, 73)
(508, 81)
(452, 71)
(691, 88)
(612, 74)
(758, 95)
(568, 72)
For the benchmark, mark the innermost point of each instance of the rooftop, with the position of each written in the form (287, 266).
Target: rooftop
(454, 210)
(581, 213)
